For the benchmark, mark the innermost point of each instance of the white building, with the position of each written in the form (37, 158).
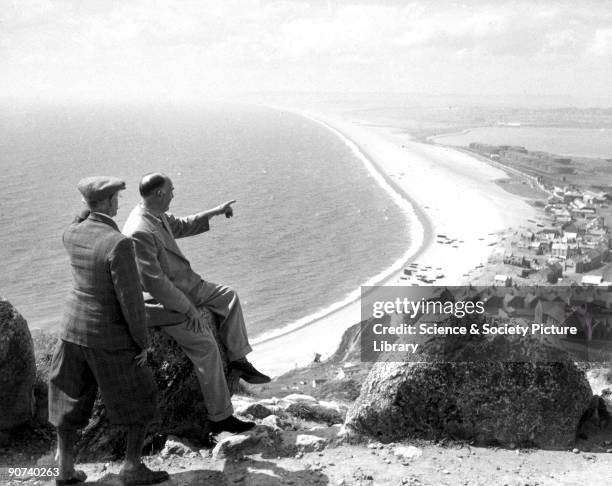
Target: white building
(592, 280)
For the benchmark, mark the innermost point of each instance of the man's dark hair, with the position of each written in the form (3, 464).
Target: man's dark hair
(151, 182)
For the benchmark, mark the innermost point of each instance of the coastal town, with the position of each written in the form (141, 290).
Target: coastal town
(555, 268)
(568, 244)
(568, 249)
(571, 243)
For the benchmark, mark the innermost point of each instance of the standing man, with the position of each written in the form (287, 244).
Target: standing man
(167, 275)
(104, 338)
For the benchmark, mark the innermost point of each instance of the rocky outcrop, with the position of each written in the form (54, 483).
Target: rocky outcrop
(17, 368)
(536, 403)
(181, 404)
(286, 433)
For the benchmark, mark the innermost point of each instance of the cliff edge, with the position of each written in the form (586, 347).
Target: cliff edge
(302, 438)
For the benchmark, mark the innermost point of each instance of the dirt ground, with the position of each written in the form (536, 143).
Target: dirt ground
(375, 464)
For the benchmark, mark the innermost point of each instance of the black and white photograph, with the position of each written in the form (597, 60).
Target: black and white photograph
(306, 242)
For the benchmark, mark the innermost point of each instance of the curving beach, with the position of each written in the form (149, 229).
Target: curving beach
(456, 213)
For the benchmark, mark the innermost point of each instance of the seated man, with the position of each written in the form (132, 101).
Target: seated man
(167, 275)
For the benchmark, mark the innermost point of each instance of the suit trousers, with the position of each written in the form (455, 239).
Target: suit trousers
(202, 349)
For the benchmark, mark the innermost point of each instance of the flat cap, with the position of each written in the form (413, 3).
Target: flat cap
(98, 188)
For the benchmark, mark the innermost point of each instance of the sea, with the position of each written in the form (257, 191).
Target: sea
(311, 222)
(578, 142)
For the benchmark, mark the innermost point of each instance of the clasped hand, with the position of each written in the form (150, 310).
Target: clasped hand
(196, 320)
(141, 358)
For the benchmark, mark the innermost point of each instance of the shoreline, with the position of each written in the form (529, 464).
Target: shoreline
(442, 172)
(421, 238)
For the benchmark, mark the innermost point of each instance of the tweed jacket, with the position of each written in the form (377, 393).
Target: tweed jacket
(105, 308)
(164, 271)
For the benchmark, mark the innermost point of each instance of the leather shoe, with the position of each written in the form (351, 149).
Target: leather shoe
(142, 475)
(230, 424)
(76, 476)
(242, 368)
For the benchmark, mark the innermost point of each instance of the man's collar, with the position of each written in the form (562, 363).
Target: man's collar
(146, 211)
(103, 218)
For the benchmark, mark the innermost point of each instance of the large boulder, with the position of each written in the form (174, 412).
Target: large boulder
(479, 392)
(181, 404)
(17, 368)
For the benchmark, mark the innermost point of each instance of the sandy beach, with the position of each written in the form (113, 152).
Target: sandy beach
(456, 214)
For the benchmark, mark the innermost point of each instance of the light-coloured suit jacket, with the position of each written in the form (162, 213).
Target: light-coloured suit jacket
(104, 309)
(164, 271)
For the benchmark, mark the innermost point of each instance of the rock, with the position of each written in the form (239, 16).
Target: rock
(310, 443)
(234, 445)
(260, 439)
(273, 421)
(266, 402)
(600, 379)
(298, 398)
(241, 403)
(256, 410)
(341, 408)
(181, 404)
(177, 447)
(277, 410)
(315, 412)
(300, 442)
(243, 406)
(347, 435)
(407, 453)
(491, 402)
(17, 368)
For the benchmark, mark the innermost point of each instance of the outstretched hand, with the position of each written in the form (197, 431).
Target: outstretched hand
(226, 208)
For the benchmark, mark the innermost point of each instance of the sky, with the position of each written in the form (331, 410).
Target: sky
(191, 50)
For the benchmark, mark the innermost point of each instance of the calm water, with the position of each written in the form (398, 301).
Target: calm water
(586, 142)
(310, 223)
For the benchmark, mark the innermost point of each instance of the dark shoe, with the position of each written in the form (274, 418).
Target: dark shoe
(77, 476)
(230, 424)
(245, 370)
(142, 475)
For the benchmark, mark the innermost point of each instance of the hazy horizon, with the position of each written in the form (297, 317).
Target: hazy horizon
(556, 52)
